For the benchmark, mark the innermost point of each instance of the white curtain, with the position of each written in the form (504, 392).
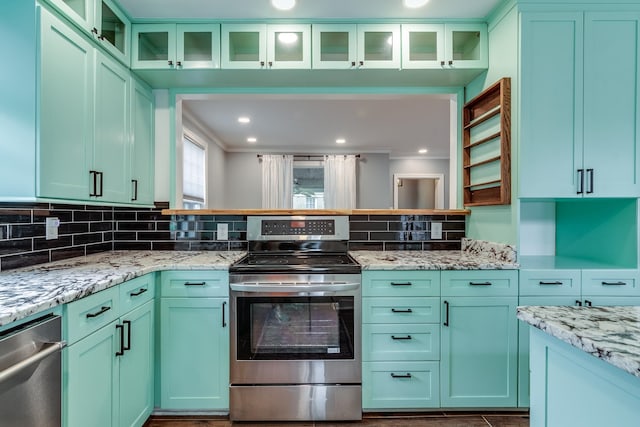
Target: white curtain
(340, 182)
(277, 181)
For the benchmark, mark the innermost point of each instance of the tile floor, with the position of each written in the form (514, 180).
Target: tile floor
(489, 419)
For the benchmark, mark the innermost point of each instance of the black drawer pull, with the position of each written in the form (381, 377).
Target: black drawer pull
(550, 283)
(140, 292)
(98, 313)
(588, 303)
(408, 310)
(401, 284)
(579, 303)
(446, 315)
(408, 337)
(480, 283)
(121, 329)
(407, 375)
(195, 283)
(614, 283)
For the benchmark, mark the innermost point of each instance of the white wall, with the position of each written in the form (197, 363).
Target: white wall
(435, 166)
(162, 146)
(243, 181)
(374, 182)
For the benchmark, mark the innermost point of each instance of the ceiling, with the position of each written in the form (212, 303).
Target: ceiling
(393, 124)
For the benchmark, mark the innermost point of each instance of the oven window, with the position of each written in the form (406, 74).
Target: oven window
(293, 328)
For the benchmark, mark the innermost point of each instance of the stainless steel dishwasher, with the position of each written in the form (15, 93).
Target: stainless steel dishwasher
(30, 374)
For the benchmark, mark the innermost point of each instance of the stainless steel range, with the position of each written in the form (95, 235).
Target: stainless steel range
(295, 322)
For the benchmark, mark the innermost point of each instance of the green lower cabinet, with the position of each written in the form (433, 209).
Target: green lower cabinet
(194, 344)
(400, 385)
(479, 352)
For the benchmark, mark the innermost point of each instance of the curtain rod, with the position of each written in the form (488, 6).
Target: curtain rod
(308, 156)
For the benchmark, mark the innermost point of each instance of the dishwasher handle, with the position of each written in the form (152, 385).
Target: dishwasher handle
(47, 350)
(307, 287)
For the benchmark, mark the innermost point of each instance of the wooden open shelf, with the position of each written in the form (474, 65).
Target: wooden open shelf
(486, 145)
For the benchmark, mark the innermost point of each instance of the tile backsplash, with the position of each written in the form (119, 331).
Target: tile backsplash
(88, 229)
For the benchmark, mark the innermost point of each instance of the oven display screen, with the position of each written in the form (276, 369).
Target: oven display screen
(297, 224)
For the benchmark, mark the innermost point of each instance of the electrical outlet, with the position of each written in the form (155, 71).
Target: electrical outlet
(436, 230)
(223, 232)
(51, 228)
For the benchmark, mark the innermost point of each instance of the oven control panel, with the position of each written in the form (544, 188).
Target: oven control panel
(298, 228)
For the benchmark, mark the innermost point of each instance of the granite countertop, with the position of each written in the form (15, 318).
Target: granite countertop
(430, 260)
(608, 333)
(30, 290)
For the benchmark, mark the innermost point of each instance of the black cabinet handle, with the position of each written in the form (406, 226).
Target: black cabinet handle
(614, 283)
(361, 63)
(579, 303)
(588, 303)
(270, 64)
(195, 283)
(127, 323)
(94, 30)
(442, 63)
(446, 313)
(135, 190)
(401, 283)
(550, 283)
(121, 329)
(353, 63)
(224, 322)
(101, 175)
(262, 63)
(450, 62)
(480, 283)
(407, 375)
(170, 63)
(178, 63)
(94, 186)
(395, 310)
(580, 181)
(408, 337)
(140, 292)
(98, 313)
(590, 175)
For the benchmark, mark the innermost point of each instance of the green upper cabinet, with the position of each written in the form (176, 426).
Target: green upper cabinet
(142, 150)
(176, 46)
(334, 46)
(103, 20)
(579, 124)
(259, 46)
(446, 46)
(378, 46)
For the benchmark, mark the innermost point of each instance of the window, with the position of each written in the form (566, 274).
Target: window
(308, 185)
(194, 175)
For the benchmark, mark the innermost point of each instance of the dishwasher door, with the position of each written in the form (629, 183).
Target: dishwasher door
(30, 373)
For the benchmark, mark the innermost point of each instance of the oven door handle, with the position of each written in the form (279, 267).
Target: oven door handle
(311, 287)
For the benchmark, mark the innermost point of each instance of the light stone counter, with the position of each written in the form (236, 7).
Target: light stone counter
(429, 260)
(608, 333)
(30, 290)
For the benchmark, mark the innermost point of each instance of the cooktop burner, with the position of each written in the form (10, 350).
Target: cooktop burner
(334, 263)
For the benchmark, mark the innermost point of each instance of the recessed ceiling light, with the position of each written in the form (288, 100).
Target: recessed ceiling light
(252, 139)
(340, 141)
(414, 4)
(244, 120)
(422, 151)
(283, 4)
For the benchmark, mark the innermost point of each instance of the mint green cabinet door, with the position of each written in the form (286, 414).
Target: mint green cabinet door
(479, 352)
(198, 45)
(111, 142)
(551, 116)
(194, 344)
(113, 30)
(66, 110)
(92, 381)
(400, 385)
(137, 367)
(333, 46)
(611, 100)
(79, 11)
(243, 46)
(153, 46)
(142, 149)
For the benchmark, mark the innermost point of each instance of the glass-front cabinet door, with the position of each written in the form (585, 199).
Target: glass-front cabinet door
(467, 46)
(198, 46)
(379, 46)
(154, 46)
(113, 30)
(79, 11)
(422, 45)
(334, 46)
(289, 46)
(243, 46)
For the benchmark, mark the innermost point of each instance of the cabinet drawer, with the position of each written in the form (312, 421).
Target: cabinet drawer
(480, 283)
(400, 342)
(550, 282)
(401, 310)
(135, 292)
(194, 283)
(89, 314)
(401, 283)
(610, 282)
(401, 385)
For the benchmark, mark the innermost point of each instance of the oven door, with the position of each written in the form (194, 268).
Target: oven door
(294, 336)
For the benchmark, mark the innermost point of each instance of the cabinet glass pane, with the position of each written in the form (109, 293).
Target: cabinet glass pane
(378, 46)
(466, 45)
(334, 46)
(288, 46)
(423, 46)
(197, 46)
(113, 29)
(153, 46)
(78, 6)
(244, 46)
